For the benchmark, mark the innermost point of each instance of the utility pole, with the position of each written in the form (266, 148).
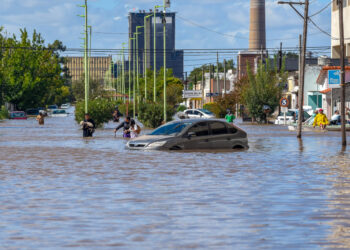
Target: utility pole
(217, 72)
(202, 86)
(342, 72)
(303, 61)
(224, 76)
(210, 89)
(280, 56)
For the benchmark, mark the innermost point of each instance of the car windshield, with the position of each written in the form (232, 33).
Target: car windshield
(171, 129)
(18, 114)
(289, 113)
(59, 112)
(205, 111)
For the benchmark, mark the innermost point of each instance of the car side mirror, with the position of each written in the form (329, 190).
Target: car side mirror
(191, 134)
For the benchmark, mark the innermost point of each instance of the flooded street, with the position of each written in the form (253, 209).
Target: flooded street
(60, 190)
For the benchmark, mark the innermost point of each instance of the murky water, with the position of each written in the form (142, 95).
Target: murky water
(60, 190)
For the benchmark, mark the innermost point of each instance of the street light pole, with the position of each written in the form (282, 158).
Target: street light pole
(86, 54)
(165, 71)
(154, 55)
(130, 51)
(138, 63)
(123, 72)
(89, 59)
(145, 54)
(134, 85)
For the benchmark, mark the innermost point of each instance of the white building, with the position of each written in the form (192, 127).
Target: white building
(335, 29)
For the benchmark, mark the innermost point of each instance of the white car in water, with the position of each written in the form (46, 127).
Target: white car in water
(59, 113)
(65, 106)
(199, 113)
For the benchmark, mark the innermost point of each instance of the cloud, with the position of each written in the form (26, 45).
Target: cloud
(57, 19)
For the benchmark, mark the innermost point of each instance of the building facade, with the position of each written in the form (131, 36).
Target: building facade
(335, 29)
(99, 66)
(174, 58)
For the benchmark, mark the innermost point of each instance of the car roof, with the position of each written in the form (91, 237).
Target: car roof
(197, 120)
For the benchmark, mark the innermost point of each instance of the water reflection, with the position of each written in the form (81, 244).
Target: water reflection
(59, 190)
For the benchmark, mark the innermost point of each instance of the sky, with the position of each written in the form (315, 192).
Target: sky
(227, 23)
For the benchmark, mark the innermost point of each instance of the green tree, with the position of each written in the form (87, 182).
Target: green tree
(263, 88)
(31, 72)
(196, 73)
(96, 89)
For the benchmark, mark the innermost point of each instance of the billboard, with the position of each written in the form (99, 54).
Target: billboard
(192, 94)
(334, 79)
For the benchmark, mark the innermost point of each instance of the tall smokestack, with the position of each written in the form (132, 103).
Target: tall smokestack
(257, 31)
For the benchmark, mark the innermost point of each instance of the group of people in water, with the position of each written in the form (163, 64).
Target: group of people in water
(129, 126)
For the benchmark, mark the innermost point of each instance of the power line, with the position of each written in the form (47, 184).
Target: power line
(321, 10)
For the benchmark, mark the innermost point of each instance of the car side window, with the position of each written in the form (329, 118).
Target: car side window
(218, 128)
(200, 129)
(196, 112)
(189, 112)
(232, 130)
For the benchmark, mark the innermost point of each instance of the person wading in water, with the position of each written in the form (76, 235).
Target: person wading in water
(126, 128)
(40, 119)
(88, 126)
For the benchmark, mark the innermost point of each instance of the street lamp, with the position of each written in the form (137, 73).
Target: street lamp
(86, 54)
(154, 52)
(166, 3)
(123, 72)
(130, 50)
(89, 59)
(145, 54)
(137, 61)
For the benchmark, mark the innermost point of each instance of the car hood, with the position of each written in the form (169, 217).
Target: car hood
(145, 139)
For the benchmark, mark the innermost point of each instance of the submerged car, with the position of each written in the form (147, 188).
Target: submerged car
(65, 106)
(32, 112)
(291, 117)
(59, 113)
(193, 134)
(18, 115)
(199, 113)
(51, 108)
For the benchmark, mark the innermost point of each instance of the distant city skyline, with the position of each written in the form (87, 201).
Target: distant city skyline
(200, 24)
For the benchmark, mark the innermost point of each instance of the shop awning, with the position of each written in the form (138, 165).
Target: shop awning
(196, 99)
(326, 91)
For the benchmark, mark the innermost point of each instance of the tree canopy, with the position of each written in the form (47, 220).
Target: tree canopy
(31, 73)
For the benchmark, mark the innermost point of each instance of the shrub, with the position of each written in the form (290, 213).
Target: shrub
(181, 108)
(123, 107)
(215, 108)
(4, 113)
(100, 110)
(151, 114)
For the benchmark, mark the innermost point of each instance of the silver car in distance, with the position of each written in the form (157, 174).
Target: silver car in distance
(193, 134)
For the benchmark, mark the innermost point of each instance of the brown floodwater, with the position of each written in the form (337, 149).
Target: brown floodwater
(58, 190)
